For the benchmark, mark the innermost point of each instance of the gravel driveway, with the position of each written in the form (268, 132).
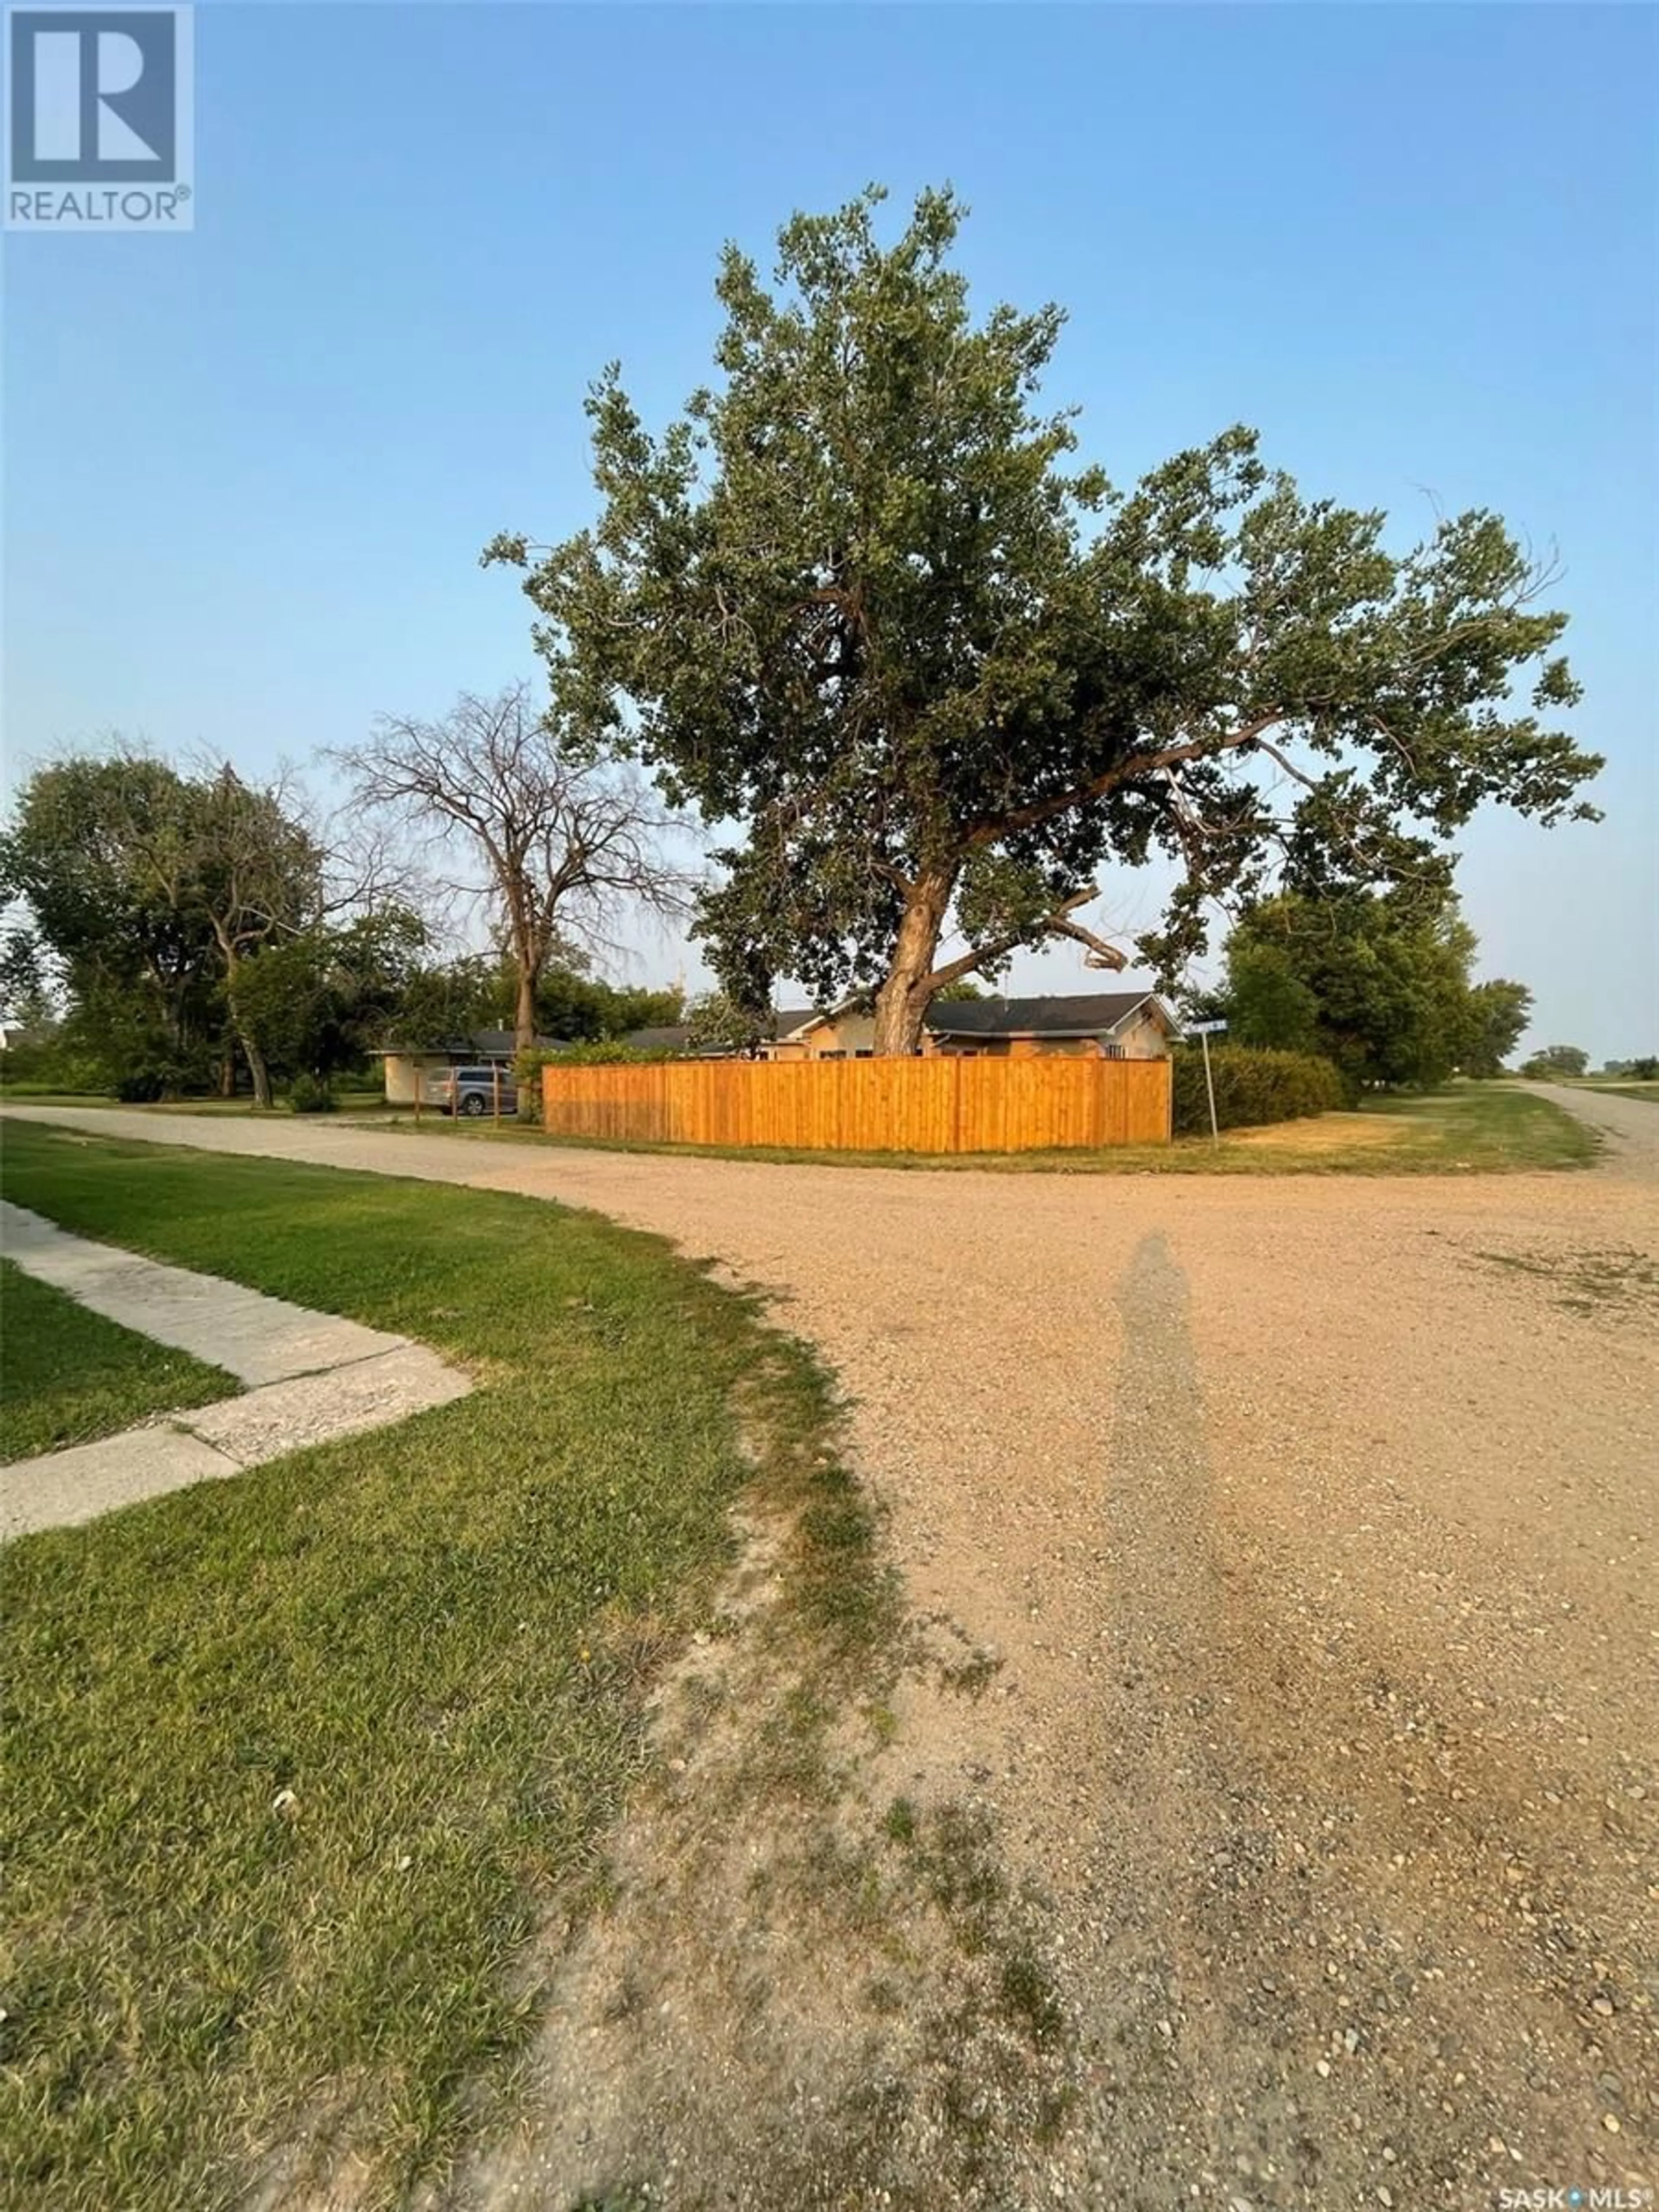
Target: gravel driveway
(1314, 1520)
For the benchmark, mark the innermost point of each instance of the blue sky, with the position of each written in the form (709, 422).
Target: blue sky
(249, 470)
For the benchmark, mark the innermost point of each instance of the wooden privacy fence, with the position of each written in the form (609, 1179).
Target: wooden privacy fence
(943, 1105)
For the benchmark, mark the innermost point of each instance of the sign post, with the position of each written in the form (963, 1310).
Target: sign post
(1204, 1032)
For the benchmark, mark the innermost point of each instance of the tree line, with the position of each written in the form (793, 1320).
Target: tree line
(919, 679)
(1379, 983)
(180, 922)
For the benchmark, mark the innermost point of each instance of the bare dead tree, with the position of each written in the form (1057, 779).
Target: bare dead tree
(565, 840)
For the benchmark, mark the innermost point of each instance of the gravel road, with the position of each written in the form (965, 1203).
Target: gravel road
(1313, 1521)
(1632, 1124)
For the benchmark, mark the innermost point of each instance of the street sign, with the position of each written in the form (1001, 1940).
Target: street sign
(1204, 1032)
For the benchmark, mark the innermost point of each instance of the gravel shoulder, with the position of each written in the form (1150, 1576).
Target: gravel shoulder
(1634, 1150)
(1313, 1523)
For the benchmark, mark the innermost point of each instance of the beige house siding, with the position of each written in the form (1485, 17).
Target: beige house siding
(410, 1074)
(1010, 1047)
(840, 1036)
(1143, 1038)
(404, 1071)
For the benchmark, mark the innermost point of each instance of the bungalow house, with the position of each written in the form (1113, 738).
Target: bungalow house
(407, 1069)
(797, 1033)
(844, 1032)
(1095, 1025)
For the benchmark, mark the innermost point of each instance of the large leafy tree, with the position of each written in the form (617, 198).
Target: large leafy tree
(257, 872)
(858, 605)
(1377, 982)
(155, 889)
(132, 945)
(1557, 1059)
(322, 999)
(579, 1007)
(1498, 1013)
(442, 1003)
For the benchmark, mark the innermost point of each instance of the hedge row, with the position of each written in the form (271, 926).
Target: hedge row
(1251, 1087)
(606, 1053)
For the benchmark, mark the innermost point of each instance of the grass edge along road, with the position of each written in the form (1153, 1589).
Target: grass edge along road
(1614, 1086)
(298, 1764)
(71, 1376)
(1467, 1129)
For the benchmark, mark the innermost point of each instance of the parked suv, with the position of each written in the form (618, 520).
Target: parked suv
(473, 1089)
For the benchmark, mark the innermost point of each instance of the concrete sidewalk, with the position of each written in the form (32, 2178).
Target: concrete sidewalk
(254, 1338)
(316, 1377)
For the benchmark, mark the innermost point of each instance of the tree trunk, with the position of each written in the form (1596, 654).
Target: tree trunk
(524, 1020)
(903, 1001)
(249, 1049)
(228, 1073)
(257, 1068)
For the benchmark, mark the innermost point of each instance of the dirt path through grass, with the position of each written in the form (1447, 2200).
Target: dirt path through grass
(1312, 1524)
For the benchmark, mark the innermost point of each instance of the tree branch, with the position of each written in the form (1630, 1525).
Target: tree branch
(1058, 924)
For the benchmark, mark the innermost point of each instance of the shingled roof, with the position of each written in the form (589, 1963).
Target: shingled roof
(1088, 1014)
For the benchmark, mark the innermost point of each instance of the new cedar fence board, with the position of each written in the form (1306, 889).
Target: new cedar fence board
(944, 1105)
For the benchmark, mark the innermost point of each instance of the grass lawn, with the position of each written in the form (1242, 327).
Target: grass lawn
(1472, 1128)
(345, 1102)
(350, 1100)
(69, 1375)
(296, 1764)
(1618, 1086)
(47, 1094)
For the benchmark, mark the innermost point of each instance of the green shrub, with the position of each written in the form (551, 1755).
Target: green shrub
(1251, 1087)
(48, 1064)
(310, 1094)
(608, 1052)
(528, 1065)
(140, 1086)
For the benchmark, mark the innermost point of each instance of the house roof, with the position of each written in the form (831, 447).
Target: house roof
(479, 1044)
(664, 1037)
(501, 1044)
(677, 1037)
(1088, 1014)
